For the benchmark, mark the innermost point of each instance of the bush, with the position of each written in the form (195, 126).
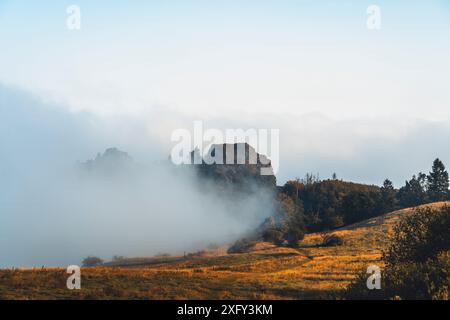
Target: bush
(417, 260)
(407, 281)
(92, 261)
(357, 289)
(241, 246)
(332, 240)
(429, 280)
(273, 235)
(420, 236)
(293, 236)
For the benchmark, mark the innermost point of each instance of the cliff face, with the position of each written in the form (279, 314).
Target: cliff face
(234, 167)
(237, 166)
(112, 162)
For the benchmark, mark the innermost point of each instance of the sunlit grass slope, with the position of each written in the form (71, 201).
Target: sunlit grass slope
(267, 272)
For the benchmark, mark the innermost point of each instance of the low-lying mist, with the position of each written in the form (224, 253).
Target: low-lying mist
(50, 215)
(55, 212)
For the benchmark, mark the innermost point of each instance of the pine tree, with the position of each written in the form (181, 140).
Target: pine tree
(388, 196)
(438, 182)
(414, 192)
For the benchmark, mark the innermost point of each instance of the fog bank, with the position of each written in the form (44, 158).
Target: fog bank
(55, 212)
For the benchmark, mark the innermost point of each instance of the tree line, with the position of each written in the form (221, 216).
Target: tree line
(315, 205)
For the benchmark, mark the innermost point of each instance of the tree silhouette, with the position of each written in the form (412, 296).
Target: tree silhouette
(438, 182)
(414, 192)
(388, 196)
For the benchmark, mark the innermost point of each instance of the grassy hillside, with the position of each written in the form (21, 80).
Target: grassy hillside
(267, 272)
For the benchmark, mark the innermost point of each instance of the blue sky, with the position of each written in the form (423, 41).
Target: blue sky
(301, 66)
(225, 56)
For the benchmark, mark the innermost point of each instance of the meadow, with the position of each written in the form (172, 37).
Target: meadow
(310, 271)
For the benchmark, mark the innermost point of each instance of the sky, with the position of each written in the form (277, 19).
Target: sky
(311, 69)
(364, 104)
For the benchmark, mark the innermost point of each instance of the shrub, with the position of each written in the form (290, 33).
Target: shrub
(408, 281)
(92, 261)
(273, 235)
(420, 236)
(293, 236)
(417, 260)
(332, 240)
(416, 280)
(241, 246)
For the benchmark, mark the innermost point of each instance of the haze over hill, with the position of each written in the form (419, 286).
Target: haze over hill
(40, 191)
(311, 271)
(112, 205)
(34, 129)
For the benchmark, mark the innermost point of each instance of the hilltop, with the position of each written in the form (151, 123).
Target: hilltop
(265, 272)
(237, 168)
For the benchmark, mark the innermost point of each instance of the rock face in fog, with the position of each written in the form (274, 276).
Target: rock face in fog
(111, 162)
(238, 167)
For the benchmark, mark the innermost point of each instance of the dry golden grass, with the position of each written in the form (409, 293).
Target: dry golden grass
(267, 272)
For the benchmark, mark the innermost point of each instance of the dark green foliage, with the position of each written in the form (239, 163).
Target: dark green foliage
(359, 205)
(417, 260)
(408, 281)
(414, 192)
(286, 225)
(290, 220)
(388, 201)
(323, 200)
(423, 189)
(438, 182)
(332, 240)
(294, 235)
(420, 236)
(241, 246)
(427, 280)
(92, 261)
(330, 204)
(273, 235)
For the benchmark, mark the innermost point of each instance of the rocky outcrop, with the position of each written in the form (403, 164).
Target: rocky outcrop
(111, 162)
(237, 166)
